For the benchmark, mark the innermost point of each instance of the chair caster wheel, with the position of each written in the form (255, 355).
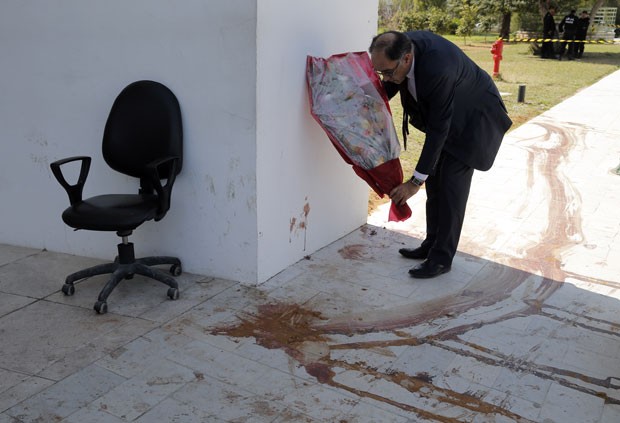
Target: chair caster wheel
(68, 289)
(173, 293)
(101, 307)
(176, 270)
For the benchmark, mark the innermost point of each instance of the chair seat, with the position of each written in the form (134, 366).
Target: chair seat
(113, 212)
(143, 139)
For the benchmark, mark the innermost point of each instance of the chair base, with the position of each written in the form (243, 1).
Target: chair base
(125, 266)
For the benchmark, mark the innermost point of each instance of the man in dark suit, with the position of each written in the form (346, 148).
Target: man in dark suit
(580, 34)
(447, 96)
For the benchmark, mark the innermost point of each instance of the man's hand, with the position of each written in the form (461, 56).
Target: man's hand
(403, 192)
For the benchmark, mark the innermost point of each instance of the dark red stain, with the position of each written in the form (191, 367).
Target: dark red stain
(353, 252)
(302, 225)
(291, 327)
(321, 371)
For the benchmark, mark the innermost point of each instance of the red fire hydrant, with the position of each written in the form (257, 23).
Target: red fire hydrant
(496, 50)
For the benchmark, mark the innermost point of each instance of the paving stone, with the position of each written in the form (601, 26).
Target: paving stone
(41, 274)
(137, 395)
(92, 414)
(44, 332)
(67, 396)
(13, 394)
(11, 253)
(11, 302)
(172, 410)
(228, 402)
(571, 406)
(5, 418)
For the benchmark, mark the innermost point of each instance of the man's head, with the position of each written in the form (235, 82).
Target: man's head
(552, 10)
(584, 14)
(391, 55)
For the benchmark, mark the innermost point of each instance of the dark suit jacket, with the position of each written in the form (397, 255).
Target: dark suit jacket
(582, 28)
(458, 107)
(548, 26)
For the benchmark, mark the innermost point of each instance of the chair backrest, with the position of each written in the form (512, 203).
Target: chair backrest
(144, 125)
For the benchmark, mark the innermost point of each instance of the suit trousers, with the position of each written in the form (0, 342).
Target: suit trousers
(447, 192)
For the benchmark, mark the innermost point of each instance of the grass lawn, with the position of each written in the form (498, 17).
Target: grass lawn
(547, 82)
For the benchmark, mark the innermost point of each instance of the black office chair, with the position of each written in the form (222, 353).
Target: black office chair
(143, 138)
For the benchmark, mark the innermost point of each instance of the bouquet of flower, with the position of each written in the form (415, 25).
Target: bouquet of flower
(348, 101)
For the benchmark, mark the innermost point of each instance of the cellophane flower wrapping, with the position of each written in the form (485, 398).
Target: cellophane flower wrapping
(348, 101)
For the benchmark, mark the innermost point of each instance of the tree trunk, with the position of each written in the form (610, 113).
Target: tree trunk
(543, 7)
(595, 8)
(504, 32)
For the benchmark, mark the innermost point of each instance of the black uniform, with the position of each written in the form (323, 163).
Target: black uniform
(580, 34)
(548, 33)
(568, 26)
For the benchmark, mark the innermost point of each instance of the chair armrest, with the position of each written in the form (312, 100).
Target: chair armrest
(163, 192)
(74, 191)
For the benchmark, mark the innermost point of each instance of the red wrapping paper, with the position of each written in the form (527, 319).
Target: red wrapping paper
(348, 101)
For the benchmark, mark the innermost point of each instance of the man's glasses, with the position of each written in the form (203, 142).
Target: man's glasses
(388, 73)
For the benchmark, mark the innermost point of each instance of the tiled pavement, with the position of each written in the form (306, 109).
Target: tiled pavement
(525, 328)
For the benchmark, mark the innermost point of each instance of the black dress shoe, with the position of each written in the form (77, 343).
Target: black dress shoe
(428, 269)
(414, 253)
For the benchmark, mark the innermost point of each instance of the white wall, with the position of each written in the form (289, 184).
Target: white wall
(250, 163)
(307, 195)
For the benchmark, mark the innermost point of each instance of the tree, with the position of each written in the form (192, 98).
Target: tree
(423, 14)
(467, 20)
(432, 19)
(404, 5)
(385, 10)
(427, 4)
(411, 20)
(440, 21)
(596, 6)
(500, 11)
(504, 9)
(390, 10)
